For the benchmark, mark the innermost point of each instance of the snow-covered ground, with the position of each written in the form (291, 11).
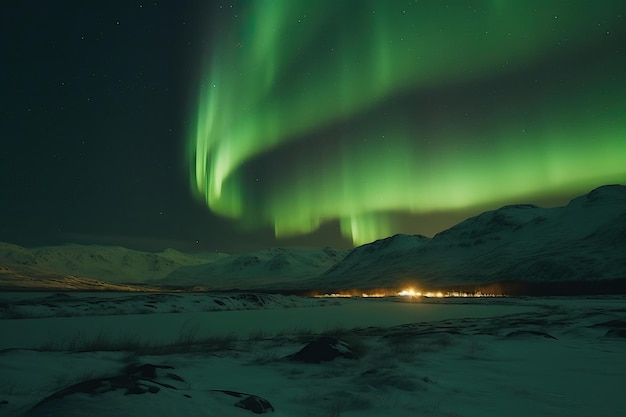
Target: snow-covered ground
(408, 357)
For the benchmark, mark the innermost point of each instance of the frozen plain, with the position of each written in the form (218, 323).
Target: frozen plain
(554, 356)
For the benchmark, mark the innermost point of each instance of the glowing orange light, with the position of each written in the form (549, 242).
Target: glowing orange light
(409, 292)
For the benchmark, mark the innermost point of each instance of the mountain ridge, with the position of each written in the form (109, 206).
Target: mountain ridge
(583, 241)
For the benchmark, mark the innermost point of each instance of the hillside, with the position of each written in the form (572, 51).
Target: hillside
(584, 241)
(579, 248)
(257, 270)
(112, 264)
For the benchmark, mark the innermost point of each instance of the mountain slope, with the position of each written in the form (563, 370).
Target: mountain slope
(27, 278)
(108, 263)
(257, 270)
(582, 241)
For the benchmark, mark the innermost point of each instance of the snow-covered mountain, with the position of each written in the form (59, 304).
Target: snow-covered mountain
(582, 241)
(112, 264)
(257, 270)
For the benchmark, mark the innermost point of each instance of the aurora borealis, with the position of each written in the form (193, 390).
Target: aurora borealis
(233, 126)
(363, 113)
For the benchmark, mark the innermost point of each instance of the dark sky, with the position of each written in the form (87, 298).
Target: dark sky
(331, 124)
(94, 120)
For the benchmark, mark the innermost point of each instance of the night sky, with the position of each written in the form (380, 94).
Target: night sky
(234, 126)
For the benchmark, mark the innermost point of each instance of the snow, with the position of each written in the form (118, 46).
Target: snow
(257, 270)
(449, 357)
(582, 243)
(95, 267)
(435, 357)
(55, 324)
(113, 264)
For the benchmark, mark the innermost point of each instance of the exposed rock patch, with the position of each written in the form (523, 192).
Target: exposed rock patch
(254, 403)
(522, 333)
(324, 349)
(136, 380)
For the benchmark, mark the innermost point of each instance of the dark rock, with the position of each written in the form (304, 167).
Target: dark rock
(612, 324)
(518, 333)
(621, 333)
(144, 371)
(324, 349)
(174, 377)
(617, 328)
(254, 403)
(252, 298)
(134, 380)
(137, 380)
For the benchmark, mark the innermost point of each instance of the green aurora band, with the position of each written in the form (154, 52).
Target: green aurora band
(319, 111)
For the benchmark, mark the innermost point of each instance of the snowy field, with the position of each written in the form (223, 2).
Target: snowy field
(120, 354)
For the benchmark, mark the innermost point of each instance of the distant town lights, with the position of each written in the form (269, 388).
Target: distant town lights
(409, 293)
